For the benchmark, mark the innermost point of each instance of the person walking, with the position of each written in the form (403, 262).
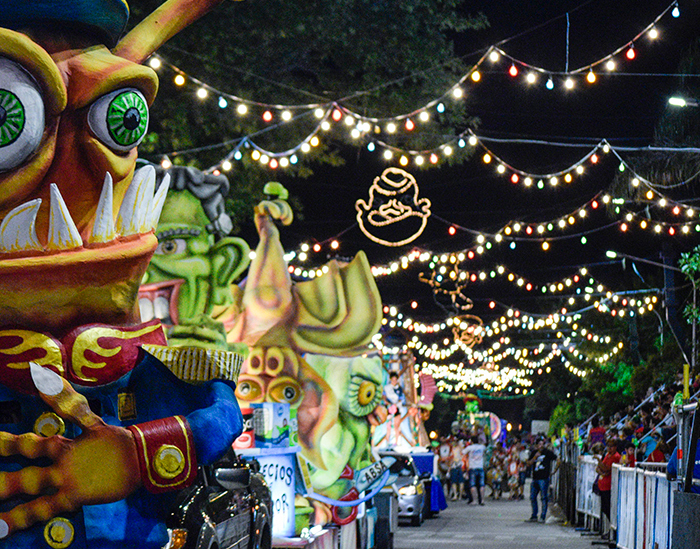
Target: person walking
(541, 462)
(476, 452)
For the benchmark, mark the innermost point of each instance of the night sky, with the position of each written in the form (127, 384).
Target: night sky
(622, 108)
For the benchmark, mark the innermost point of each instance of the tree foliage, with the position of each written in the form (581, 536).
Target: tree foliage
(379, 58)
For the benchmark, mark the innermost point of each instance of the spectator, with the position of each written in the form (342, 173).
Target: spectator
(541, 462)
(596, 433)
(660, 452)
(628, 459)
(604, 470)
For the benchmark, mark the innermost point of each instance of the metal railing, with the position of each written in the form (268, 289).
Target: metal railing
(642, 509)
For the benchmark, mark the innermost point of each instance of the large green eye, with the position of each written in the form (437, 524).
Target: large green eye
(127, 118)
(363, 396)
(12, 117)
(120, 119)
(21, 115)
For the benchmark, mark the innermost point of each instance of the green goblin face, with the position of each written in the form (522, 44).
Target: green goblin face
(191, 272)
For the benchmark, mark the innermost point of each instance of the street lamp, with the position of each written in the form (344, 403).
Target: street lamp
(682, 102)
(614, 255)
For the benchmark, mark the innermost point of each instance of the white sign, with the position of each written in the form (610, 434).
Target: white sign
(278, 471)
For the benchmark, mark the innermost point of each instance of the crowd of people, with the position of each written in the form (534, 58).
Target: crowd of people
(468, 466)
(645, 432)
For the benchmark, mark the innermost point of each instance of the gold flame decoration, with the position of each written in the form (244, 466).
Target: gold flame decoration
(105, 343)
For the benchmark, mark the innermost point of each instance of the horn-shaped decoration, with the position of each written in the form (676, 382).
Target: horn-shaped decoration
(160, 26)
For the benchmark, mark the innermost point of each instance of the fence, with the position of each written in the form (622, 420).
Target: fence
(641, 508)
(587, 503)
(643, 513)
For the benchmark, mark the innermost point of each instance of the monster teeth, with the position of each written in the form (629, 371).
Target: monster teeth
(138, 214)
(103, 228)
(18, 229)
(63, 234)
(134, 213)
(158, 202)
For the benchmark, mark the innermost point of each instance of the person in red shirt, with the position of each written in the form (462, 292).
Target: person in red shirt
(629, 458)
(604, 470)
(658, 455)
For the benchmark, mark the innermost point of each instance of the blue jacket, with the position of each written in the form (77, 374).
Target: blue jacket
(136, 522)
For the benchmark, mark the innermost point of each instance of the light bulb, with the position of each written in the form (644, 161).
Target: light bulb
(495, 56)
(569, 83)
(513, 71)
(653, 33)
(676, 12)
(286, 116)
(179, 80)
(550, 83)
(155, 63)
(591, 77)
(631, 54)
(610, 65)
(242, 109)
(202, 93)
(531, 78)
(457, 93)
(476, 76)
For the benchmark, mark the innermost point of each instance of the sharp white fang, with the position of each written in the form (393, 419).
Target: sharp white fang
(159, 201)
(18, 229)
(63, 234)
(103, 229)
(136, 206)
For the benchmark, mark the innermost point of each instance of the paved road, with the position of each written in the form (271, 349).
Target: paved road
(496, 525)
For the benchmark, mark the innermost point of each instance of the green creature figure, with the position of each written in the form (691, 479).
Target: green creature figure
(357, 383)
(189, 282)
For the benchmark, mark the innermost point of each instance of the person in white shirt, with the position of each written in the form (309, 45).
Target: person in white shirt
(476, 452)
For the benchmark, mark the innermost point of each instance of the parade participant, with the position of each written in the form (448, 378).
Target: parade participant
(541, 462)
(514, 468)
(396, 405)
(475, 451)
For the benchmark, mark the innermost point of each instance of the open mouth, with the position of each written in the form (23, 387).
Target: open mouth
(159, 300)
(138, 214)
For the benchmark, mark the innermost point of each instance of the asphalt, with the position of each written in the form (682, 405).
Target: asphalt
(498, 524)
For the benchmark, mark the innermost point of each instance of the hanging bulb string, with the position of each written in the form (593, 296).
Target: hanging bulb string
(487, 53)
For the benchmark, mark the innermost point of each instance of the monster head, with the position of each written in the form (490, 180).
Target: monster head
(190, 276)
(77, 226)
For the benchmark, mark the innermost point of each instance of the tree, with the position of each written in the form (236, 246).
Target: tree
(375, 57)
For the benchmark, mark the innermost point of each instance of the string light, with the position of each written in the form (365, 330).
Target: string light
(494, 54)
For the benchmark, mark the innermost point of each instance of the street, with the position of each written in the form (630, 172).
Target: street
(496, 525)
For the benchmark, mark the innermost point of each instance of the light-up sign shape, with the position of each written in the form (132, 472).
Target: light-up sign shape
(394, 215)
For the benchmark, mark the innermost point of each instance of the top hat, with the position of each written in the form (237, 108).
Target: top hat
(105, 18)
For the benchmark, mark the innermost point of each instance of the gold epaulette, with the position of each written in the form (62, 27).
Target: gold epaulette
(192, 364)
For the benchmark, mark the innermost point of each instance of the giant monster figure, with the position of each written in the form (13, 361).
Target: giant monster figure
(96, 434)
